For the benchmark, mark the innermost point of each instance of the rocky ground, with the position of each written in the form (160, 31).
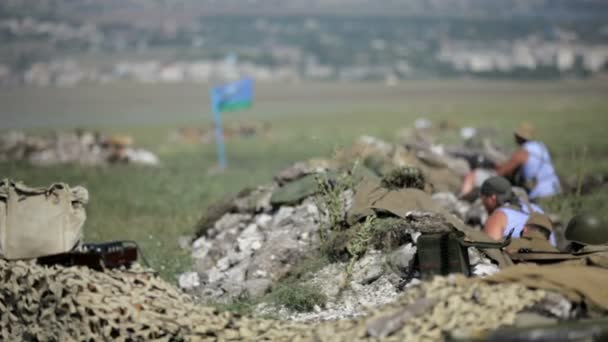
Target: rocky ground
(73, 147)
(265, 245)
(248, 245)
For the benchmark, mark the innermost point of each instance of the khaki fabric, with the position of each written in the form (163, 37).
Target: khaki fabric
(593, 256)
(370, 197)
(593, 249)
(40, 221)
(598, 259)
(532, 242)
(475, 235)
(544, 257)
(442, 178)
(540, 220)
(579, 283)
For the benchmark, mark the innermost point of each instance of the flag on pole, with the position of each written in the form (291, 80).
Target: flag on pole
(234, 96)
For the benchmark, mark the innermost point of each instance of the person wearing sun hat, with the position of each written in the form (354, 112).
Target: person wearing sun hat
(530, 167)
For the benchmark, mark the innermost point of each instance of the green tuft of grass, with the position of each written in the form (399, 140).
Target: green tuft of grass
(307, 266)
(335, 246)
(288, 292)
(243, 306)
(330, 188)
(297, 297)
(382, 233)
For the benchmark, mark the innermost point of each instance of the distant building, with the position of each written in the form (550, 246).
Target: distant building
(565, 59)
(172, 73)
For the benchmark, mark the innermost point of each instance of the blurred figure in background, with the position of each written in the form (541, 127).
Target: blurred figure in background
(530, 167)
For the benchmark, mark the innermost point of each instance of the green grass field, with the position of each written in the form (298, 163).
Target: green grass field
(156, 205)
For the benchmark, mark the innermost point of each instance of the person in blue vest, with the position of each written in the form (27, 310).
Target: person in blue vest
(508, 213)
(530, 167)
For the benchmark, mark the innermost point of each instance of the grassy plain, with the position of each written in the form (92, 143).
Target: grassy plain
(156, 205)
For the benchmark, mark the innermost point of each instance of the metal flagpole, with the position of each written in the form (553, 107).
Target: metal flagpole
(219, 132)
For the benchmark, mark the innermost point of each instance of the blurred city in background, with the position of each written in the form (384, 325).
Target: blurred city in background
(65, 43)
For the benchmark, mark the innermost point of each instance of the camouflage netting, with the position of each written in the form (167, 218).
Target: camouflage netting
(445, 305)
(57, 303)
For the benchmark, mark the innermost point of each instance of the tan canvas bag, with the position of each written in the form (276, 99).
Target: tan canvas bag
(40, 221)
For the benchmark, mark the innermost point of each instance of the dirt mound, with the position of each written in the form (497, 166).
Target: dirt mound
(76, 147)
(252, 245)
(206, 135)
(343, 229)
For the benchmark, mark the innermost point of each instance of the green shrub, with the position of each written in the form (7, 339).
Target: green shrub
(404, 177)
(329, 199)
(297, 297)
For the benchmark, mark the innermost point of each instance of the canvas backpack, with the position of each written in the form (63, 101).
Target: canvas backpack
(35, 222)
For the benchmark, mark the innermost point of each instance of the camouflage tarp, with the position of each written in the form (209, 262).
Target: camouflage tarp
(58, 303)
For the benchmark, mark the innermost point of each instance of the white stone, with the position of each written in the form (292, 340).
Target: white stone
(412, 283)
(231, 221)
(141, 156)
(223, 264)
(188, 280)
(485, 269)
(200, 242)
(474, 256)
(263, 220)
(312, 209)
(200, 248)
(283, 216)
(402, 257)
(369, 268)
(250, 239)
(260, 273)
(214, 275)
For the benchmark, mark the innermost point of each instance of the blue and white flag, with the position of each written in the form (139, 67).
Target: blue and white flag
(233, 96)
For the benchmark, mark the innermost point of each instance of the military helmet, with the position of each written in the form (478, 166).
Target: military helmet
(587, 230)
(496, 185)
(499, 186)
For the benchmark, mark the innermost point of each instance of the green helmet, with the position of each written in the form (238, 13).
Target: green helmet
(587, 230)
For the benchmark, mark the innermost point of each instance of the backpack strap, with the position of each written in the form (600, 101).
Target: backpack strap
(514, 207)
